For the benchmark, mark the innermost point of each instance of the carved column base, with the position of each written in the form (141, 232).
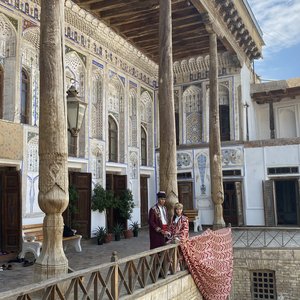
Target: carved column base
(218, 217)
(52, 262)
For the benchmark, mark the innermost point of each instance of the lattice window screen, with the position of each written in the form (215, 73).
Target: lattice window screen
(263, 284)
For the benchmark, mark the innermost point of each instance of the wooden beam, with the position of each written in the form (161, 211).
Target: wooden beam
(105, 5)
(194, 30)
(153, 20)
(86, 3)
(177, 7)
(139, 7)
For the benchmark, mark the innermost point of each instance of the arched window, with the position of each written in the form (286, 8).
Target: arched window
(24, 110)
(224, 113)
(143, 146)
(113, 140)
(1, 91)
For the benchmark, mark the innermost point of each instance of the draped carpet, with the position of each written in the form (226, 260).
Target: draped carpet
(210, 261)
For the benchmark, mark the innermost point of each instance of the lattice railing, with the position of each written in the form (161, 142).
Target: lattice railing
(111, 281)
(265, 237)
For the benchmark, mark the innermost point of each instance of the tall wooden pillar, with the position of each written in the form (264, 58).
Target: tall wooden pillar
(215, 160)
(167, 153)
(53, 151)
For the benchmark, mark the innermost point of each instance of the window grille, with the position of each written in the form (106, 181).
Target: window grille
(283, 170)
(263, 284)
(232, 173)
(186, 175)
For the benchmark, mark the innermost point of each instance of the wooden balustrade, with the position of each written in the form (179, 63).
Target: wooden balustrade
(112, 280)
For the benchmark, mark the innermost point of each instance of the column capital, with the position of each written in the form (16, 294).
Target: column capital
(208, 22)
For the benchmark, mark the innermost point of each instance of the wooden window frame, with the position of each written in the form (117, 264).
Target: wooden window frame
(112, 140)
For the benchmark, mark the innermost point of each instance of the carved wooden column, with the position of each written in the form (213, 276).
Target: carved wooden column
(215, 160)
(53, 151)
(167, 153)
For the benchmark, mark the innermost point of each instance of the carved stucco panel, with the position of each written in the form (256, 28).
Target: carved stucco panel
(32, 152)
(97, 162)
(133, 165)
(11, 140)
(184, 160)
(232, 157)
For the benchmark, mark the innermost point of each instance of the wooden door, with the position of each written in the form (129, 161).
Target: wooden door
(287, 202)
(82, 217)
(144, 200)
(185, 194)
(116, 184)
(10, 211)
(230, 204)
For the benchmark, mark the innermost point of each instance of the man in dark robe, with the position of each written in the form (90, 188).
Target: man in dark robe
(158, 224)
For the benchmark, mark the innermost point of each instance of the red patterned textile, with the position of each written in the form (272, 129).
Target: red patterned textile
(210, 261)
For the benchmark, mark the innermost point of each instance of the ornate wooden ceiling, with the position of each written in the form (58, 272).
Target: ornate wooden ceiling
(137, 22)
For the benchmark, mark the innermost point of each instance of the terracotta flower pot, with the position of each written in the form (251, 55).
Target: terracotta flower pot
(108, 238)
(128, 234)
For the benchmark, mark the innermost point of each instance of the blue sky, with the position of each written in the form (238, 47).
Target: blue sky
(280, 22)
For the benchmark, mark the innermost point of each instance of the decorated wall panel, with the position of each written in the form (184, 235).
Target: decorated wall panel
(11, 141)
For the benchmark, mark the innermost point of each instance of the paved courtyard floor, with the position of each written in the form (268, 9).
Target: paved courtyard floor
(91, 255)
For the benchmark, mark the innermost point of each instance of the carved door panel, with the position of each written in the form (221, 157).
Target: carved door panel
(144, 200)
(82, 217)
(10, 223)
(185, 194)
(119, 184)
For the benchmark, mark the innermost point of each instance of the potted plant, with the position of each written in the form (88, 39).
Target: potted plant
(127, 233)
(108, 237)
(100, 234)
(101, 198)
(125, 204)
(117, 230)
(135, 227)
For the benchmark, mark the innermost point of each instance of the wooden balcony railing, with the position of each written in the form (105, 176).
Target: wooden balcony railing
(112, 280)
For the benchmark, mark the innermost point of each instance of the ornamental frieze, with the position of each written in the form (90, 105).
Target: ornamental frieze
(232, 157)
(183, 160)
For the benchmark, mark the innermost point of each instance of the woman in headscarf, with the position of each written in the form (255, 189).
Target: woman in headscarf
(179, 226)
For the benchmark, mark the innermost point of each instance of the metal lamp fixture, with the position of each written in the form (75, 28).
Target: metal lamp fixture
(75, 110)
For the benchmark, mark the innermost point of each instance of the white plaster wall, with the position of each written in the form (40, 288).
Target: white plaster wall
(253, 193)
(257, 160)
(246, 98)
(279, 156)
(262, 121)
(97, 219)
